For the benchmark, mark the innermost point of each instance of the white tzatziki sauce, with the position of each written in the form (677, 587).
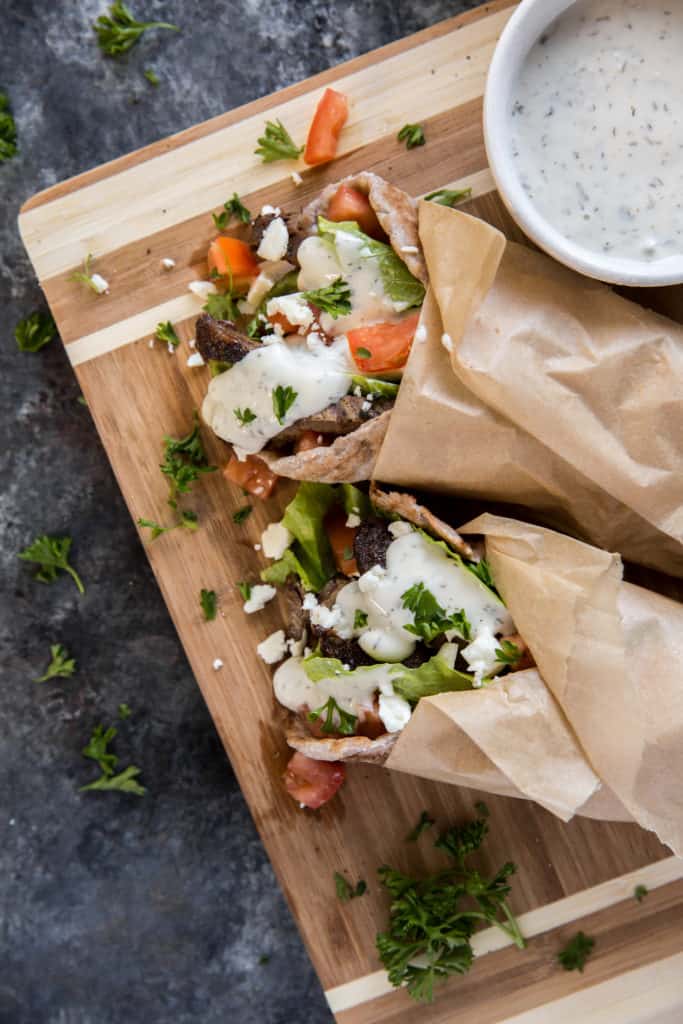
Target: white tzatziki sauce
(597, 126)
(318, 378)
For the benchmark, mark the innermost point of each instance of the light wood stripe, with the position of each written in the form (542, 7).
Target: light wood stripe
(648, 995)
(182, 307)
(534, 922)
(169, 188)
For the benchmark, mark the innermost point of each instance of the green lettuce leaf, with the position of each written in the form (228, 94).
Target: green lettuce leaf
(354, 501)
(399, 283)
(370, 386)
(310, 555)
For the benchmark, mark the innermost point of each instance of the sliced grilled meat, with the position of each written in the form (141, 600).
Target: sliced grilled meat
(341, 417)
(296, 617)
(328, 595)
(333, 646)
(222, 340)
(407, 507)
(370, 544)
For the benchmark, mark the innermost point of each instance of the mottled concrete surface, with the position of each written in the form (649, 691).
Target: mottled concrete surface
(115, 909)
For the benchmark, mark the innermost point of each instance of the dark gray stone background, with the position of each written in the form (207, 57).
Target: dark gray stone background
(117, 909)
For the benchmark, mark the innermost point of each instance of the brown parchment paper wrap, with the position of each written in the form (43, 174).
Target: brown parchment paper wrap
(608, 654)
(462, 421)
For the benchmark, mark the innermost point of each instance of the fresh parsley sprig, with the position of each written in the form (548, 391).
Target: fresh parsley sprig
(52, 555)
(221, 306)
(360, 618)
(335, 719)
(166, 332)
(432, 920)
(61, 665)
(35, 331)
(184, 462)
(345, 891)
(87, 278)
(283, 400)
(209, 604)
(413, 135)
(334, 298)
(241, 514)
(508, 653)
(8, 130)
(430, 618)
(423, 824)
(118, 31)
(244, 416)
(188, 521)
(244, 589)
(97, 749)
(640, 892)
(124, 782)
(573, 956)
(277, 144)
(233, 208)
(151, 76)
(449, 196)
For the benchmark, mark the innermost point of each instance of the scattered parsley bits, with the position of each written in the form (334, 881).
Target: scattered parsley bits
(640, 892)
(482, 809)
(245, 590)
(8, 130)
(124, 712)
(118, 31)
(334, 298)
(363, 353)
(207, 599)
(241, 514)
(574, 955)
(97, 749)
(94, 282)
(277, 144)
(508, 653)
(360, 619)
(52, 555)
(482, 571)
(188, 520)
(413, 135)
(345, 891)
(431, 925)
(184, 462)
(449, 196)
(335, 719)
(233, 208)
(166, 332)
(35, 332)
(283, 400)
(430, 618)
(423, 824)
(124, 782)
(151, 76)
(221, 306)
(61, 664)
(244, 416)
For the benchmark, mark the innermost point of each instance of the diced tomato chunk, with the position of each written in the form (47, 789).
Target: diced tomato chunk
(349, 203)
(341, 538)
(370, 724)
(233, 260)
(323, 135)
(385, 347)
(311, 782)
(252, 474)
(308, 440)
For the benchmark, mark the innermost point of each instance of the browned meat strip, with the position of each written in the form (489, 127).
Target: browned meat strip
(222, 340)
(331, 645)
(370, 544)
(405, 506)
(295, 616)
(341, 417)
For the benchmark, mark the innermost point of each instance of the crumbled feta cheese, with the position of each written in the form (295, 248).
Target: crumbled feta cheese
(151, 343)
(259, 597)
(371, 579)
(366, 406)
(409, 248)
(192, 342)
(421, 334)
(480, 655)
(309, 602)
(296, 177)
(257, 547)
(357, 391)
(353, 520)
(217, 663)
(260, 287)
(202, 289)
(171, 348)
(167, 263)
(268, 211)
(447, 342)
(245, 307)
(196, 359)
(293, 308)
(275, 540)
(393, 710)
(99, 284)
(275, 241)
(296, 647)
(400, 528)
(326, 618)
(273, 648)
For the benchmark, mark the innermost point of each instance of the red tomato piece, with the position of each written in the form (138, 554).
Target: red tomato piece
(349, 203)
(323, 135)
(230, 256)
(311, 782)
(385, 347)
(252, 474)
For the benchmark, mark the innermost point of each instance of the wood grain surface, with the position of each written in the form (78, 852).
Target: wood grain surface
(157, 203)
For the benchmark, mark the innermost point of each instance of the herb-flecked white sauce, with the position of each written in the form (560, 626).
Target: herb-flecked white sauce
(597, 126)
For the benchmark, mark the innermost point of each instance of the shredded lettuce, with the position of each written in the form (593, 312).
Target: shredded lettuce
(371, 386)
(310, 555)
(399, 283)
(354, 501)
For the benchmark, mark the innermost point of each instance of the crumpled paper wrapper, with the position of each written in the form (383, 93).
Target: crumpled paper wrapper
(597, 728)
(556, 394)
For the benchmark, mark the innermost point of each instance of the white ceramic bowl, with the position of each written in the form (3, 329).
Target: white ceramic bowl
(525, 26)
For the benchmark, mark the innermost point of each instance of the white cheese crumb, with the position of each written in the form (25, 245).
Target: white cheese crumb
(325, 617)
(151, 343)
(259, 597)
(268, 211)
(296, 647)
(400, 529)
(357, 391)
(480, 655)
(275, 240)
(296, 177)
(171, 348)
(192, 342)
(257, 547)
(309, 602)
(275, 540)
(202, 289)
(366, 406)
(260, 287)
(371, 579)
(167, 263)
(409, 248)
(421, 334)
(217, 663)
(353, 520)
(393, 710)
(293, 308)
(196, 359)
(99, 284)
(273, 648)
(447, 342)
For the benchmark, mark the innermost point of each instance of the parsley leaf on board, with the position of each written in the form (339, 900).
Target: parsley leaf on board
(35, 331)
(482, 809)
(574, 955)
(124, 712)
(8, 130)
(151, 76)
(118, 31)
(52, 555)
(124, 782)
(245, 590)
(334, 298)
(184, 462)
(449, 196)
(432, 920)
(207, 599)
(640, 892)
(188, 520)
(233, 208)
(277, 144)
(166, 332)
(221, 306)
(97, 749)
(423, 824)
(283, 400)
(345, 891)
(60, 665)
(244, 416)
(241, 514)
(413, 135)
(430, 618)
(336, 720)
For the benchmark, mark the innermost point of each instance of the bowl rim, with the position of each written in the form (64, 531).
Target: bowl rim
(522, 30)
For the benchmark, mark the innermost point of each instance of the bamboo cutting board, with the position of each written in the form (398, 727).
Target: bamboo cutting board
(157, 203)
